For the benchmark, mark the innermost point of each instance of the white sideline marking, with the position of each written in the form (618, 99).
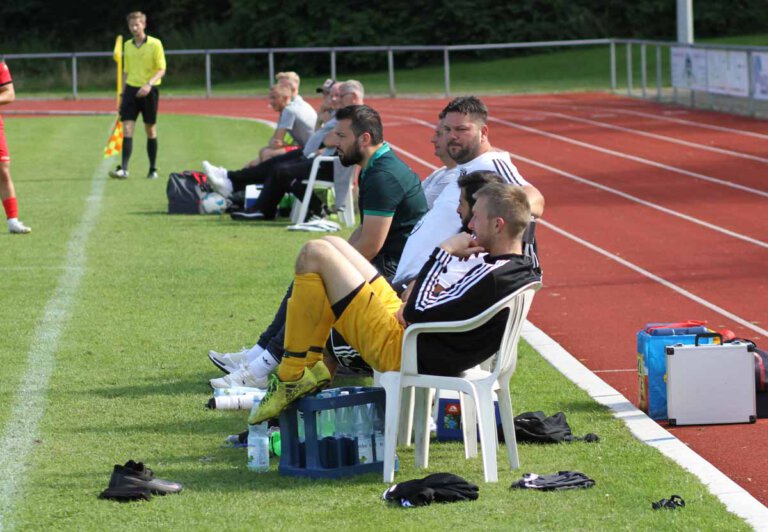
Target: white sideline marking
(648, 134)
(30, 400)
(633, 158)
(735, 498)
(654, 277)
(414, 157)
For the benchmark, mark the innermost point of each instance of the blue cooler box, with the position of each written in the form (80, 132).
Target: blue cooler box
(449, 416)
(652, 341)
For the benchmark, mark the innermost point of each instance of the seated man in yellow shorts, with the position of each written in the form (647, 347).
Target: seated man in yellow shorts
(335, 286)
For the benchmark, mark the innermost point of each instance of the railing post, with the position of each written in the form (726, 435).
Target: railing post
(391, 66)
(658, 72)
(629, 69)
(333, 64)
(643, 76)
(613, 66)
(447, 67)
(751, 84)
(74, 76)
(271, 68)
(207, 74)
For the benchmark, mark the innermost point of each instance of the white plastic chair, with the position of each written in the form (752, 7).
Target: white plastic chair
(476, 386)
(347, 215)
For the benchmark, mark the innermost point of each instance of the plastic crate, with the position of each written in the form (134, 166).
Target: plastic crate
(330, 457)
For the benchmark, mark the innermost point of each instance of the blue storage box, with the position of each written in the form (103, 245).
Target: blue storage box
(449, 416)
(652, 364)
(327, 457)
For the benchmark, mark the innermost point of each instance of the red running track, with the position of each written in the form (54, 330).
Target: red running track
(654, 213)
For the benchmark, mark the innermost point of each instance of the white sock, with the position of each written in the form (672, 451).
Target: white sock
(263, 365)
(253, 353)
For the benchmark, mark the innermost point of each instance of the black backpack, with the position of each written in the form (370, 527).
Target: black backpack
(535, 427)
(185, 191)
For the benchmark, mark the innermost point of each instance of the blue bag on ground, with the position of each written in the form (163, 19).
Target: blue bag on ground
(652, 363)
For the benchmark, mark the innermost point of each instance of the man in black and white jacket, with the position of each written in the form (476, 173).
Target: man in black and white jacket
(335, 286)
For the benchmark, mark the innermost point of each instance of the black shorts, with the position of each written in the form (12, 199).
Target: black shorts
(131, 106)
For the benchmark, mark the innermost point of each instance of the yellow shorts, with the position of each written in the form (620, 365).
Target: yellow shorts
(369, 325)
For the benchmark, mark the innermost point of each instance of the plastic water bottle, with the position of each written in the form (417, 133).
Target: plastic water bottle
(326, 419)
(258, 444)
(300, 423)
(258, 447)
(344, 421)
(378, 432)
(238, 390)
(363, 429)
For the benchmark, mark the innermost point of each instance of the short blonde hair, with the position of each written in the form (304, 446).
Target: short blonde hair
(508, 202)
(291, 78)
(136, 15)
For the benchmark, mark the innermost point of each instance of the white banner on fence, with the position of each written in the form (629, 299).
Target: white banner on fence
(689, 68)
(727, 72)
(760, 74)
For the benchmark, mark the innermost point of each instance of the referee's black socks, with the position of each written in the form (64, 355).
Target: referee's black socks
(127, 149)
(152, 152)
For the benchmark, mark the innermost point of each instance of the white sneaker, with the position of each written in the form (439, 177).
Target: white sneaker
(118, 173)
(217, 176)
(16, 227)
(241, 377)
(228, 362)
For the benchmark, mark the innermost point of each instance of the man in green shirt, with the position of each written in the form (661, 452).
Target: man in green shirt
(144, 69)
(391, 198)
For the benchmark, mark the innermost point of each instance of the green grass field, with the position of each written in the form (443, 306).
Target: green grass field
(128, 377)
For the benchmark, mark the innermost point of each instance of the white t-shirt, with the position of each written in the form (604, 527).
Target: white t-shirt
(299, 119)
(442, 221)
(436, 182)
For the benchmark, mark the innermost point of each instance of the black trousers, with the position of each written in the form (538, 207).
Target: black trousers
(287, 177)
(258, 175)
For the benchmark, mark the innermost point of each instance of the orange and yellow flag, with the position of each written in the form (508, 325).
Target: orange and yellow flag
(115, 142)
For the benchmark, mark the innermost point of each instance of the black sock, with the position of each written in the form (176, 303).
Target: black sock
(127, 149)
(152, 152)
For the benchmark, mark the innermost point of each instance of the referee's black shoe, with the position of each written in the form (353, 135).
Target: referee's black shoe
(137, 475)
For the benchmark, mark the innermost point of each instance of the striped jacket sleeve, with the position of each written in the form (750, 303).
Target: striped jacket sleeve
(468, 296)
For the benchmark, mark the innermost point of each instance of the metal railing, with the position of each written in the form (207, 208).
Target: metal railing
(645, 90)
(332, 52)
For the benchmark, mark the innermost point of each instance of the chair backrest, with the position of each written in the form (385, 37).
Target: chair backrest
(518, 303)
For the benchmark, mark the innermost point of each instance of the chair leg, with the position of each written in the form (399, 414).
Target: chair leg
(486, 417)
(468, 425)
(508, 425)
(421, 426)
(405, 431)
(391, 385)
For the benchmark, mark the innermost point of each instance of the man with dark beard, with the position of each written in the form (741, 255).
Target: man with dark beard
(391, 198)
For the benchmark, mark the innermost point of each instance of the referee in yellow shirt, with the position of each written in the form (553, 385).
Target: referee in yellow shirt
(143, 72)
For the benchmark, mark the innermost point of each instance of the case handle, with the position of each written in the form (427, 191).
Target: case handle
(708, 335)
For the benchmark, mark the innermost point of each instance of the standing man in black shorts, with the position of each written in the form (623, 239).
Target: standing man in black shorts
(144, 70)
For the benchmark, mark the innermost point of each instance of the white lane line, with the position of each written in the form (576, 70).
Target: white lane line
(635, 199)
(703, 125)
(605, 188)
(648, 134)
(634, 158)
(664, 115)
(642, 271)
(413, 157)
(29, 403)
(735, 498)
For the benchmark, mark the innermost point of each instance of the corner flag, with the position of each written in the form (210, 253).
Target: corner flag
(115, 142)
